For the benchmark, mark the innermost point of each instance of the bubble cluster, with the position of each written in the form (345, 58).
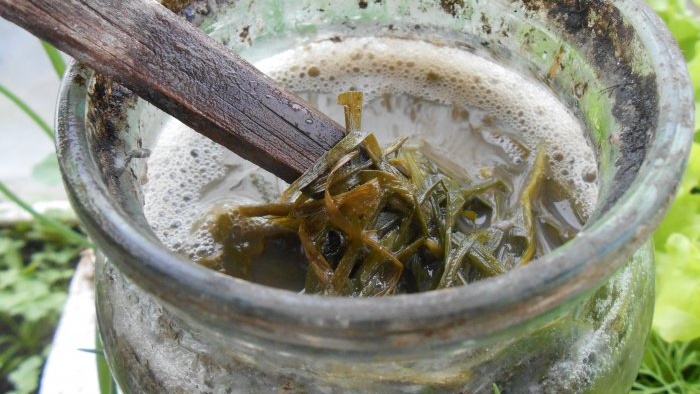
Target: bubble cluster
(516, 153)
(379, 66)
(182, 164)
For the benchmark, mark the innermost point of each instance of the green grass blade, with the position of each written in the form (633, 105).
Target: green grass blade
(56, 59)
(28, 111)
(60, 228)
(104, 375)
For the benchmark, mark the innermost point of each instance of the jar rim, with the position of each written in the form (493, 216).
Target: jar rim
(512, 298)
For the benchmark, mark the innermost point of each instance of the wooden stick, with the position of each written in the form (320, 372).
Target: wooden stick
(179, 69)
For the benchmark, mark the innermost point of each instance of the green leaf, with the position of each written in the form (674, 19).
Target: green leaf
(19, 299)
(104, 375)
(35, 267)
(677, 315)
(48, 305)
(677, 240)
(56, 59)
(28, 111)
(684, 24)
(53, 276)
(684, 214)
(669, 367)
(26, 377)
(11, 252)
(7, 279)
(65, 231)
(57, 257)
(47, 172)
(677, 243)
(694, 70)
(11, 356)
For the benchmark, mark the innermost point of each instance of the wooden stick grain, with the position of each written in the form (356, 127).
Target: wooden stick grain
(179, 69)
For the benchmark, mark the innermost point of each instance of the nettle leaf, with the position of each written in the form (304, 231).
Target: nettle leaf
(11, 253)
(60, 257)
(50, 304)
(8, 278)
(53, 276)
(21, 299)
(47, 172)
(26, 377)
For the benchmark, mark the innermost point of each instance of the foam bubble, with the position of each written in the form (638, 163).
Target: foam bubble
(182, 164)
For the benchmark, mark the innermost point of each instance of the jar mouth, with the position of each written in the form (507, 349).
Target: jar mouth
(474, 310)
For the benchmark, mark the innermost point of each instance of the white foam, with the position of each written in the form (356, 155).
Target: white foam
(180, 166)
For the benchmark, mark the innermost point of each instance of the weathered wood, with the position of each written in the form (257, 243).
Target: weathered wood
(172, 64)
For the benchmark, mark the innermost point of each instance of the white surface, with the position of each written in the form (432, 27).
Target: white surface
(12, 213)
(27, 72)
(68, 369)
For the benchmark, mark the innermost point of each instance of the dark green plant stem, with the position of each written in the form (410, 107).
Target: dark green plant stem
(60, 228)
(56, 59)
(28, 111)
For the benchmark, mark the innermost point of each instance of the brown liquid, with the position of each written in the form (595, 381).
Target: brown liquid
(481, 145)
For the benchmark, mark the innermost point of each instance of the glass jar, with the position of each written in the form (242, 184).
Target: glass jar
(574, 320)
